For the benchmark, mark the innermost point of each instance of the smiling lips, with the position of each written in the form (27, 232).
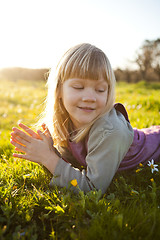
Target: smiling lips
(87, 109)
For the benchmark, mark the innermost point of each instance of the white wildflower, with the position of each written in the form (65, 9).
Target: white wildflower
(152, 166)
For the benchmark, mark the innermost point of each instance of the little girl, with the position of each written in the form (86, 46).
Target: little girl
(86, 135)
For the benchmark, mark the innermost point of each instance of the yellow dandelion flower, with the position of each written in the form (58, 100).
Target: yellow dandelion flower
(74, 182)
(138, 170)
(141, 165)
(152, 180)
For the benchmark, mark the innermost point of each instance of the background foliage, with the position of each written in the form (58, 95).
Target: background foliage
(29, 209)
(146, 67)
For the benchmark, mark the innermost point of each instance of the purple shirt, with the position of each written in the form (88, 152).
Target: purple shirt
(145, 146)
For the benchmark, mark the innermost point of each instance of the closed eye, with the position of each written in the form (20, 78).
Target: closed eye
(100, 90)
(78, 87)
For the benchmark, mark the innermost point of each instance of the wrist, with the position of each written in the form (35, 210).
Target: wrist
(51, 162)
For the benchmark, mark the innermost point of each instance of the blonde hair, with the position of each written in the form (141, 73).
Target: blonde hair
(82, 61)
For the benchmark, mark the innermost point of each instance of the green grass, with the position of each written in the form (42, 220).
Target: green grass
(29, 209)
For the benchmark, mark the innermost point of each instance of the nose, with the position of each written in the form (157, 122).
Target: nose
(89, 96)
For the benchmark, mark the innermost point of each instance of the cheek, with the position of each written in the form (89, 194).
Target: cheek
(71, 97)
(68, 101)
(103, 101)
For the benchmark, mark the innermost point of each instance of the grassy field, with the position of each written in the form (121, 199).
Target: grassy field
(30, 210)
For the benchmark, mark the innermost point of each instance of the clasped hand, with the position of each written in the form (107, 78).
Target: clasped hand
(38, 147)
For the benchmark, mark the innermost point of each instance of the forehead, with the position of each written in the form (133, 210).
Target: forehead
(86, 81)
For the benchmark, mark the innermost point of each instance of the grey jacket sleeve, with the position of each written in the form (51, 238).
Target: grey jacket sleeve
(108, 143)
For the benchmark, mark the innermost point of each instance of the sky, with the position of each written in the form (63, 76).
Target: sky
(36, 33)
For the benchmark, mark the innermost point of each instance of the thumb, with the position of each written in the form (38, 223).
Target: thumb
(42, 135)
(46, 130)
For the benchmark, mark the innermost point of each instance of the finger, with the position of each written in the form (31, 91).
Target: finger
(42, 135)
(49, 137)
(18, 150)
(19, 146)
(18, 133)
(19, 140)
(29, 130)
(44, 126)
(46, 130)
(14, 139)
(14, 129)
(24, 156)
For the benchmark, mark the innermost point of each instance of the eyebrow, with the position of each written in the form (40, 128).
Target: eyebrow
(81, 80)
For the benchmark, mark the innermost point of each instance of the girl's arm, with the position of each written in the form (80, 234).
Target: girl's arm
(108, 143)
(37, 147)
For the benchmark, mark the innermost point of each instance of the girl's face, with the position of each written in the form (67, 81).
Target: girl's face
(84, 99)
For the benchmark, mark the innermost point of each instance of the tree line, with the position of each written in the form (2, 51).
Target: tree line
(148, 64)
(18, 73)
(147, 60)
